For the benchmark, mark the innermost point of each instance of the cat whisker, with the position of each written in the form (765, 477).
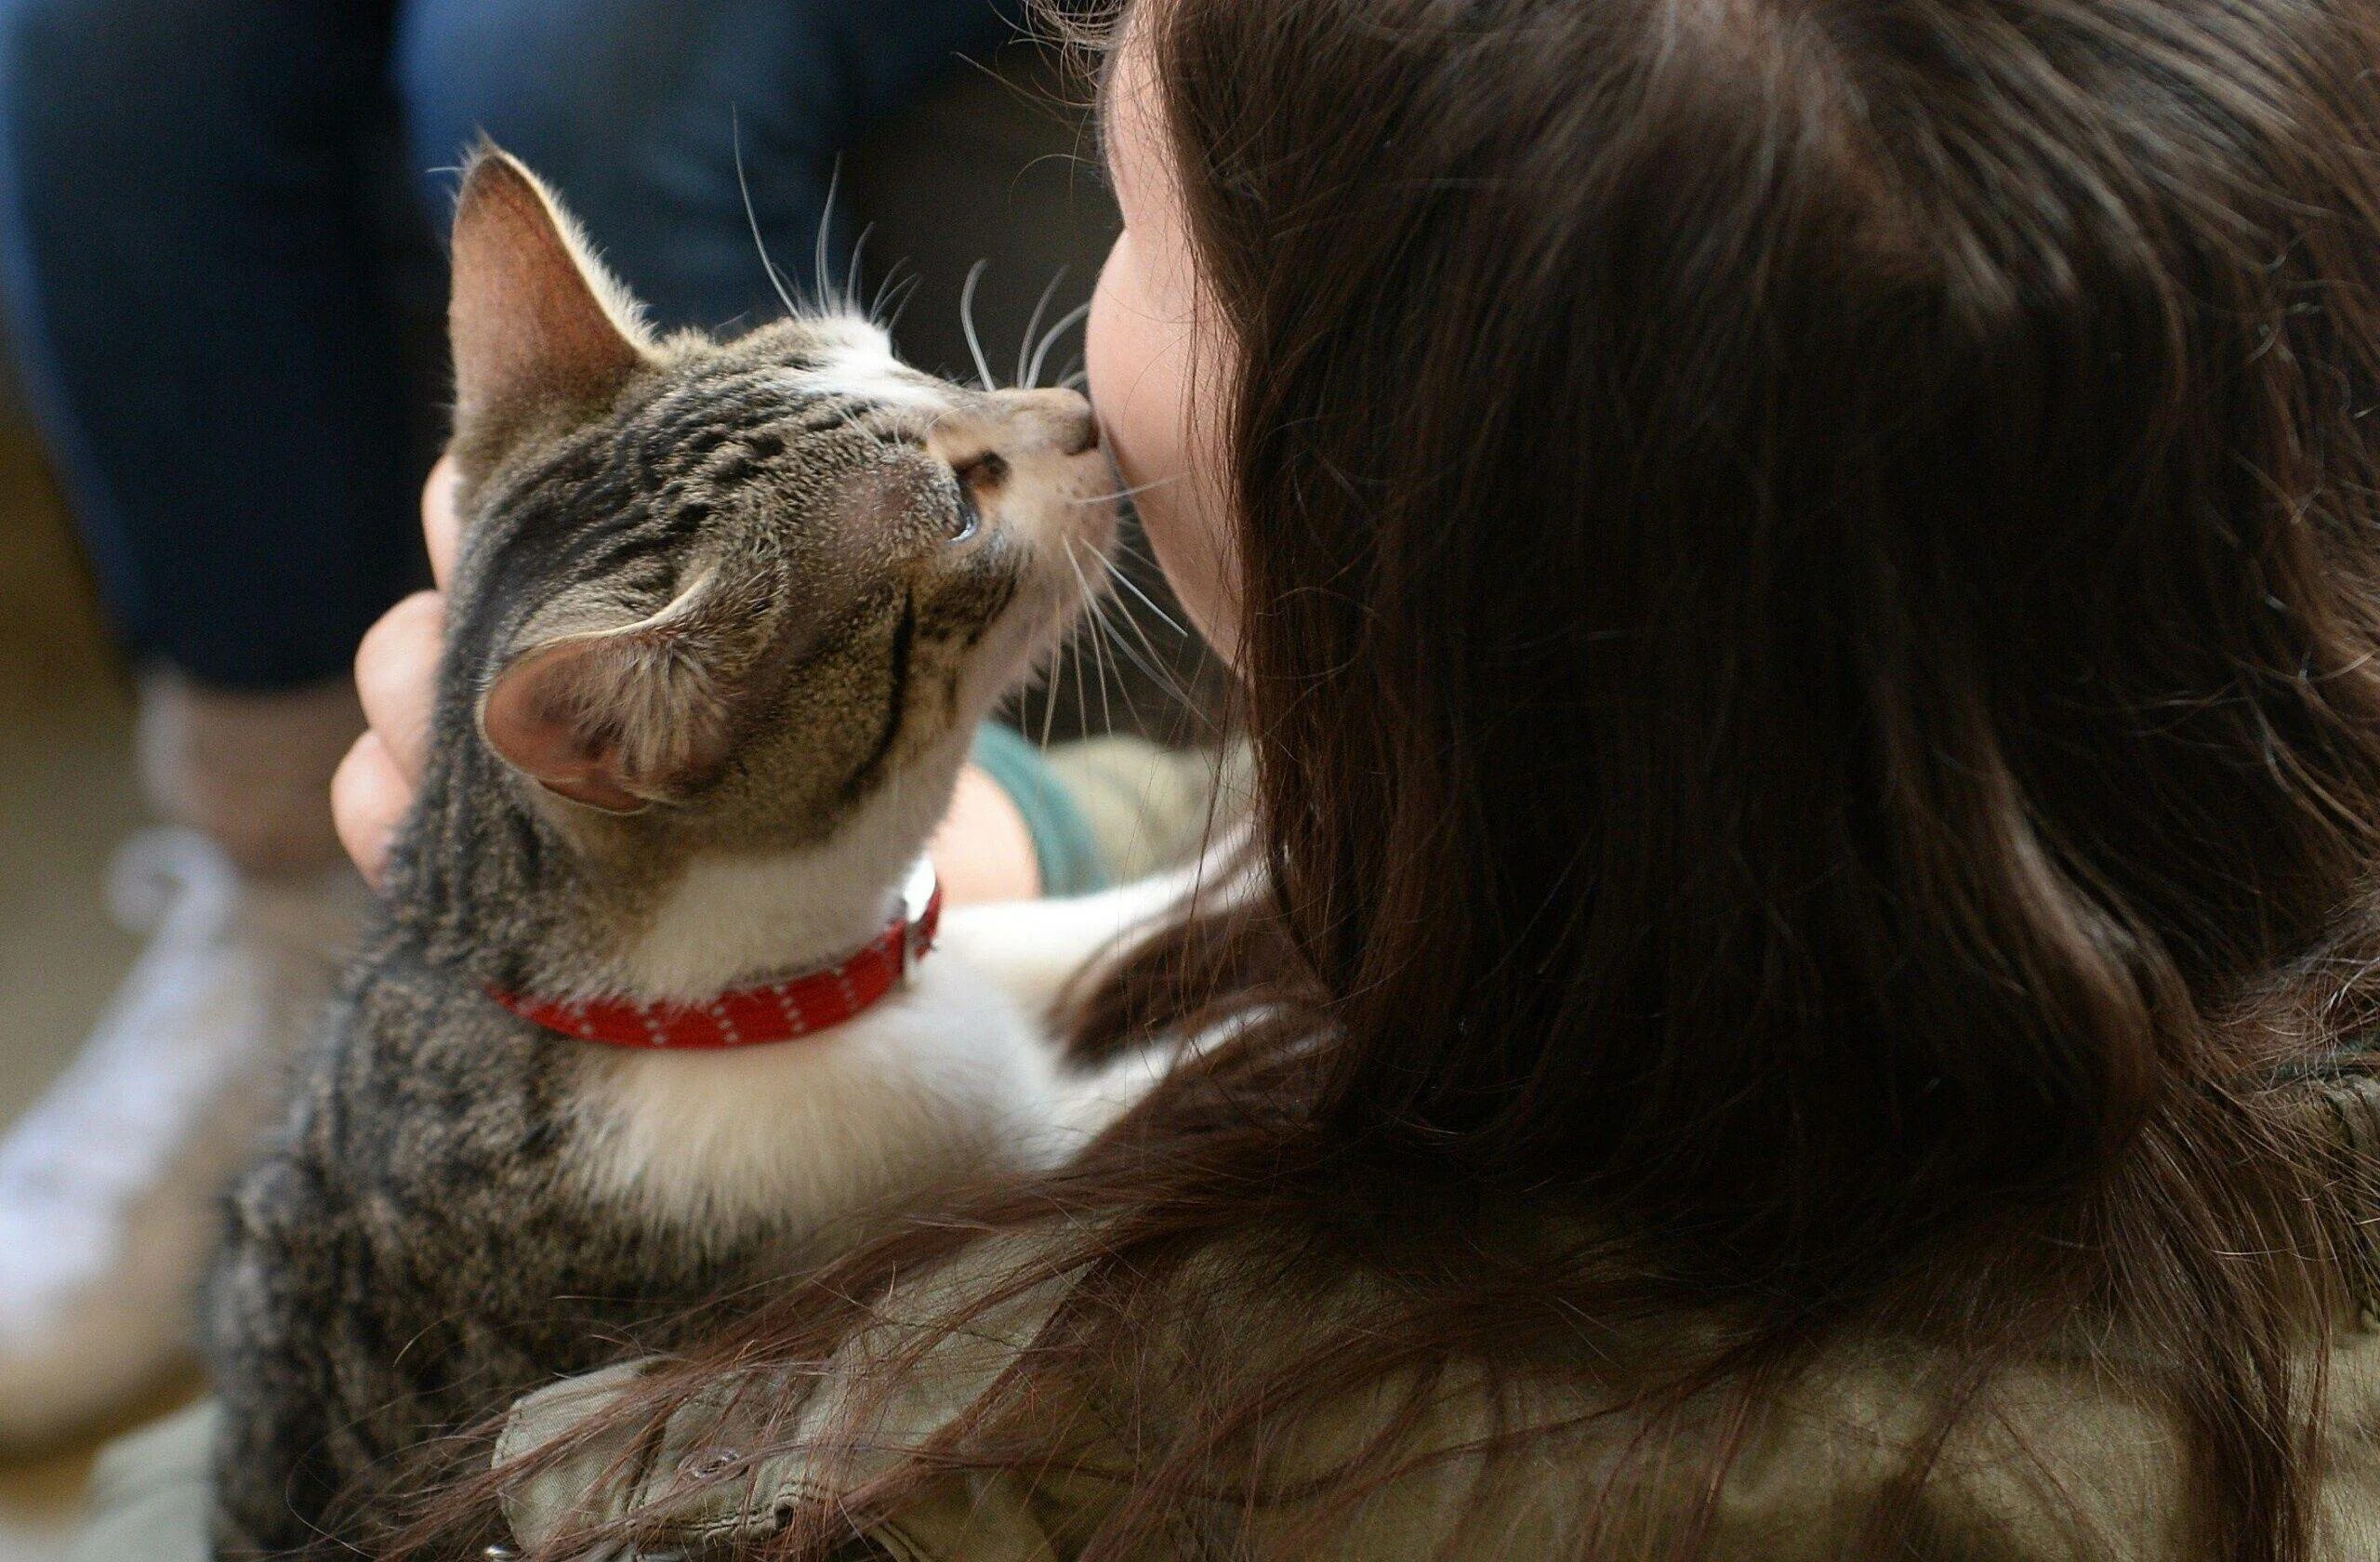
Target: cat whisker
(776, 278)
(1082, 701)
(1164, 618)
(1100, 670)
(900, 296)
(1122, 494)
(1097, 603)
(893, 289)
(826, 226)
(1123, 687)
(1124, 690)
(1116, 576)
(1166, 683)
(1024, 343)
(1098, 623)
(1049, 697)
(884, 287)
(849, 303)
(967, 321)
(1152, 664)
(1041, 354)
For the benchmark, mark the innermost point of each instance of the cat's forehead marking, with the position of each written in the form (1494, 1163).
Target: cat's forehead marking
(858, 363)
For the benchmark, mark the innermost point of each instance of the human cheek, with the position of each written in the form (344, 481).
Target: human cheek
(1140, 359)
(1120, 351)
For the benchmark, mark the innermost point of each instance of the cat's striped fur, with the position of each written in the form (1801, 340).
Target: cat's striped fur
(725, 618)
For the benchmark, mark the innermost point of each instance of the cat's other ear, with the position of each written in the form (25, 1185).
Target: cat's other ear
(620, 718)
(536, 323)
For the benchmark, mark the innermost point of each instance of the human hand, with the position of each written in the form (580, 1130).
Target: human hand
(982, 849)
(396, 674)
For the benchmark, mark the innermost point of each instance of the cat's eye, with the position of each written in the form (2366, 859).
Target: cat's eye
(976, 477)
(982, 472)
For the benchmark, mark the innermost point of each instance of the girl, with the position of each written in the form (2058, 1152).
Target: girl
(1805, 583)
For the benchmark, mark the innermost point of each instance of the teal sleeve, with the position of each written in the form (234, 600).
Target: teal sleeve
(1062, 842)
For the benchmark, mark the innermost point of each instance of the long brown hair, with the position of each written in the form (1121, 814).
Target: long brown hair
(1809, 599)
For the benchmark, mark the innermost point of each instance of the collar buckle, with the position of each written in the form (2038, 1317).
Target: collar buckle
(921, 914)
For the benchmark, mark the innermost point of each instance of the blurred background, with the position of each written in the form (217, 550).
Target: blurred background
(991, 165)
(66, 799)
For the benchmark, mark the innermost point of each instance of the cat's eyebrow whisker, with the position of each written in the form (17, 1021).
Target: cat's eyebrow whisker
(907, 290)
(883, 286)
(776, 278)
(850, 300)
(826, 226)
(1024, 343)
(967, 321)
(1041, 354)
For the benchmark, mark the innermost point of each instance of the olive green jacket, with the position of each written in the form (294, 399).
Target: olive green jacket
(2066, 1455)
(2062, 1460)
(2065, 1458)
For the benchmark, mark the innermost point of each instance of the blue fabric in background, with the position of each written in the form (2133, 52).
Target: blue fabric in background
(1066, 849)
(218, 253)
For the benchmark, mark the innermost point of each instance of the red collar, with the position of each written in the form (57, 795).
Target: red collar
(750, 1016)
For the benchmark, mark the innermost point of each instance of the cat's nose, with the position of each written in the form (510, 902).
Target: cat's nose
(1058, 418)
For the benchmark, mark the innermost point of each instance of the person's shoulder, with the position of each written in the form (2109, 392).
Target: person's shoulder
(927, 1351)
(2062, 1453)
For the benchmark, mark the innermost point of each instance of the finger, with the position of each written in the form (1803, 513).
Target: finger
(439, 528)
(396, 674)
(369, 796)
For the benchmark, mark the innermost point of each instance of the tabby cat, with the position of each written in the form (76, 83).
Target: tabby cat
(725, 618)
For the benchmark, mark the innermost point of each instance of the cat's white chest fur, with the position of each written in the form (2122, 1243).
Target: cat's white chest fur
(941, 1081)
(951, 1077)
(731, 919)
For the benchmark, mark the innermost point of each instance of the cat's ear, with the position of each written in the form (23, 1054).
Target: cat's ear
(535, 321)
(619, 718)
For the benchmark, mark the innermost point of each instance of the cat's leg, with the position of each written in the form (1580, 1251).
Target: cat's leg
(271, 1488)
(275, 1467)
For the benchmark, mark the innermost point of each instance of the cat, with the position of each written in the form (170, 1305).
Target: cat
(725, 617)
